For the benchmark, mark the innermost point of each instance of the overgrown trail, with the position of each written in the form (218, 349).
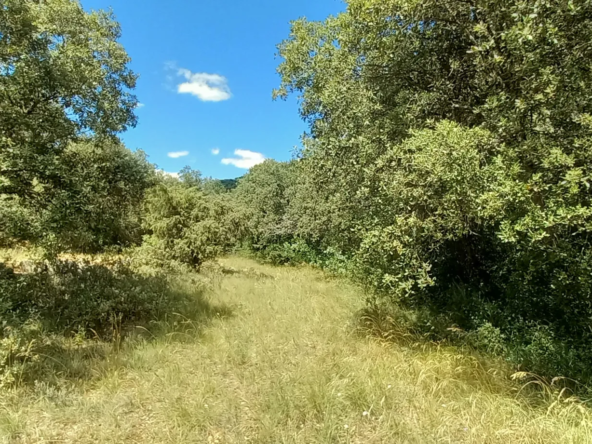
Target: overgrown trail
(286, 366)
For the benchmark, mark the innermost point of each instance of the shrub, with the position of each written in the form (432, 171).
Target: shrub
(66, 296)
(60, 315)
(264, 194)
(187, 226)
(449, 155)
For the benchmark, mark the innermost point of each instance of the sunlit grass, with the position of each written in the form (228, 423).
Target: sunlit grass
(284, 363)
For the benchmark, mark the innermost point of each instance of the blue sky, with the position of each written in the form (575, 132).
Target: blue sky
(207, 70)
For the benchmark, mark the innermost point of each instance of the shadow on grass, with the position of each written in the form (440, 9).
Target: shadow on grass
(250, 272)
(69, 320)
(428, 335)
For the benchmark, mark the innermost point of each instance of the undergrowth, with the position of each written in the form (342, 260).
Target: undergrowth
(59, 315)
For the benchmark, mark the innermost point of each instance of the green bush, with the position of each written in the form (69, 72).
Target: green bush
(19, 350)
(58, 312)
(470, 242)
(264, 195)
(66, 296)
(97, 205)
(186, 226)
(100, 201)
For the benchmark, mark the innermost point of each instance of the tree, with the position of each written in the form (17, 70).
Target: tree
(265, 193)
(63, 75)
(190, 177)
(100, 201)
(449, 155)
(369, 76)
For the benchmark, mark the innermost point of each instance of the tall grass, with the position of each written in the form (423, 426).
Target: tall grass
(284, 362)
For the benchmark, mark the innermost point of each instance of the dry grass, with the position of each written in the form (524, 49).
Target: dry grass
(288, 367)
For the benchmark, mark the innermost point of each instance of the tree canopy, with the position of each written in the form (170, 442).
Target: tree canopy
(63, 74)
(64, 78)
(448, 158)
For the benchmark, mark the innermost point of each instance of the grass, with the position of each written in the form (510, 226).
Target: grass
(286, 364)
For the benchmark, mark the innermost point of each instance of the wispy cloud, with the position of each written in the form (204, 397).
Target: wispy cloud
(245, 159)
(215, 151)
(206, 87)
(140, 105)
(177, 154)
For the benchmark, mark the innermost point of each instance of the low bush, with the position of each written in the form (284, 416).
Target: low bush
(54, 303)
(66, 296)
(531, 347)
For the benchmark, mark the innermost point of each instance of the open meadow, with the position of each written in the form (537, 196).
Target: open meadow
(276, 355)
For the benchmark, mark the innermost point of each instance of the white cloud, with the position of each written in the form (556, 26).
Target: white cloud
(177, 154)
(206, 87)
(245, 159)
(216, 151)
(140, 105)
(166, 173)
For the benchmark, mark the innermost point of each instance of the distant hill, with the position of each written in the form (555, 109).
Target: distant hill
(229, 184)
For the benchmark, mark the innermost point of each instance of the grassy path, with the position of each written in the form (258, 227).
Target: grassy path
(287, 367)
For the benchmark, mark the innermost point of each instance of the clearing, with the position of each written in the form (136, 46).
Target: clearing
(281, 362)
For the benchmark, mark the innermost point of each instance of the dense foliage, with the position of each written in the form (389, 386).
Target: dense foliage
(63, 77)
(62, 73)
(98, 205)
(186, 224)
(265, 194)
(448, 163)
(68, 184)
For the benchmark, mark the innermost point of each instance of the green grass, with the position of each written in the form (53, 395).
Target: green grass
(285, 363)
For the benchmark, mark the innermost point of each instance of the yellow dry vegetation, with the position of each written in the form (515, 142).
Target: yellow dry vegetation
(283, 362)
